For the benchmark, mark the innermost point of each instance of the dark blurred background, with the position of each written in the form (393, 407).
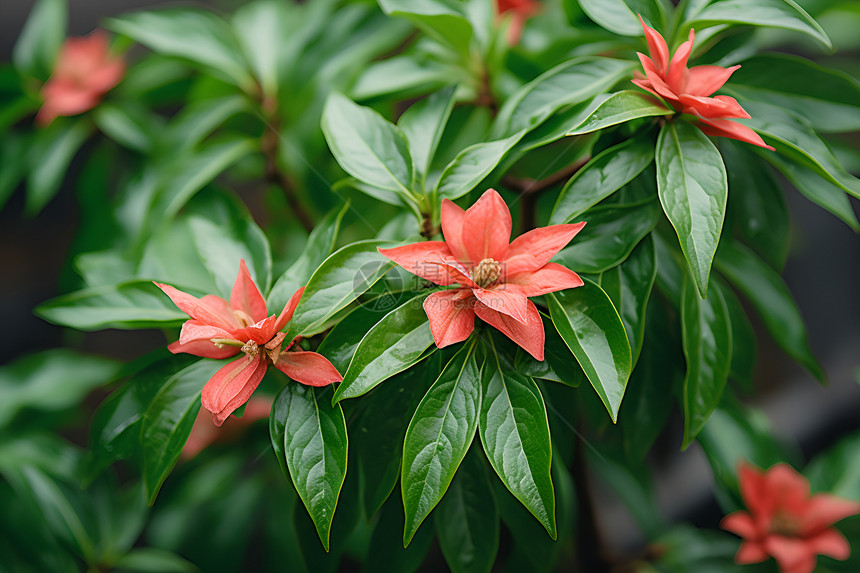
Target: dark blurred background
(823, 273)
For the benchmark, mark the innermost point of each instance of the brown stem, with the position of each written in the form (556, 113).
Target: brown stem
(530, 189)
(589, 547)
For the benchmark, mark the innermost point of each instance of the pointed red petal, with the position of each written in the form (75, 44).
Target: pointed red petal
(755, 493)
(788, 488)
(452, 229)
(308, 368)
(530, 251)
(740, 523)
(289, 308)
(656, 46)
(831, 543)
(732, 130)
(705, 80)
(195, 330)
(232, 385)
(823, 510)
(549, 278)
(203, 348)
(750, 552)
(246, 296)
(529, 336)
(721, 107)
(792, 555)
(677, 74)
(487, 228)
(645, 85)
(505, 298)
(452, 318)
(261, 332)
(457, 273)
(414, 258)
(201, 309)
(656, 79)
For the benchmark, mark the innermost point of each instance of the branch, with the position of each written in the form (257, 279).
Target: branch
(269, 145)
(530, 189)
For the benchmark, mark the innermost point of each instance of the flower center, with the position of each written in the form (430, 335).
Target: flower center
(783, 524)
(250, 348)
(487, 272)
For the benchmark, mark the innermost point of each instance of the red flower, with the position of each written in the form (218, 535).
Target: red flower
(203, 433)
(495, 278)
(84, 72)
(219, 329)
(521, 11)
(784, 521)
(688, 90)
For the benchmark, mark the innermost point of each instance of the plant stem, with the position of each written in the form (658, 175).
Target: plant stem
(530, 189)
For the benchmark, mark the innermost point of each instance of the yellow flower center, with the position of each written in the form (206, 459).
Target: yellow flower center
(487, 272)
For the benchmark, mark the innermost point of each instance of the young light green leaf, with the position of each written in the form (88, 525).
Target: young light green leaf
(618, 108)
(590, 325)
(439, 436)
(472, 165)
(423, 124)
(693, 189)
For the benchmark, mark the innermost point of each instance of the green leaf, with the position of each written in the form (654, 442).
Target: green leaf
(558, 361)
(629, 287)
(134, 304)
(49, 159)
(588, 323)
(259, 29)
(436, 18)
(386, 553)
(168, 420)
(707, 337)
(319, 246)
(198, 119)
(394, 344)
(768, 293)
(828, 98)
(773, 13)
(315, 448)
(610, 235)
(836, 470)
(613, 15)
(693, 189)
(467, 520)
(603, 175)
(472, 165)
(13, 166)
(153, 560)
(130, 126)
(515, 434)
(44, 31)
(367, 146)
(439, 436)
(423, 124)
(191, 34)
(572, 82)
(339, 280)
(51, 380)
(744, 345)
(403, 76)
(619, 107)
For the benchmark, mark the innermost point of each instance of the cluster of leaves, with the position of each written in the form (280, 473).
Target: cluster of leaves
(344, 125)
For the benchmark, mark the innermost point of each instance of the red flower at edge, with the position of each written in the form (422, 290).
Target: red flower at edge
(688, 90)
(521, 11)
(219, 329)
(784, 521)
(495, 278)
(84, 72)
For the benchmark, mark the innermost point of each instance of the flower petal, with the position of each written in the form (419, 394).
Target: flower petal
(487, 228)
(203, 348)
(451, 315)
(246, 296)
(655, 78)
(705, 80)
(289, 308)
(262, 332)
(788, 489)
(551, 277)
(742, 524)
(791, 554)
(713, 107)
(530, 336)
(750, 552)
(457, 273)
(232, 385)
(823, 510)
(676, 75)
(193, 330)
(756, 495)
(831, 543)
(505, 298)
(206, 310)
(414, 258)
(308, 368)
(656, 47)
(452, 229)
(732, 130)
(532, 250)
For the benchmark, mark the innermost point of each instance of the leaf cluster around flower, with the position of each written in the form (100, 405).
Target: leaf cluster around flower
(220, 329)
(495, 276)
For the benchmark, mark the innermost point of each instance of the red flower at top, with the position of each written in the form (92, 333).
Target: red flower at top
(84, 72)
(221, 329)
(521, 11)
(688, 90)
(784, 521)
(495, 278)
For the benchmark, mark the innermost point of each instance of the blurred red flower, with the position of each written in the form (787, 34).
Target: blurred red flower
(203, 433)
(521, 11)
(688, 90)
(84, 72)
(495, 277)
(785, 522)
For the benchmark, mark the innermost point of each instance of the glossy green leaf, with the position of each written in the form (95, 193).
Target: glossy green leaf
(50, 156)
(167, 422)
(768, 293)
(569, 83)
(40, 39)
(744, 344)
(707, 336)
(402, 76)
(774, 13)
(613, 15)
(423, 124)
(693, 188)
(134, 304)
(367, 146)
(618, 108)
(472, 165)
(629, 287)
(559, 364)
(603, 175)
(437, 18)
(467, 520)
(320, 244)
(609, 236)
(515, 435)
(588, 323)
(190, 34)
(339, 280)
(394, 344)
(438, 437)
(315, 448)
